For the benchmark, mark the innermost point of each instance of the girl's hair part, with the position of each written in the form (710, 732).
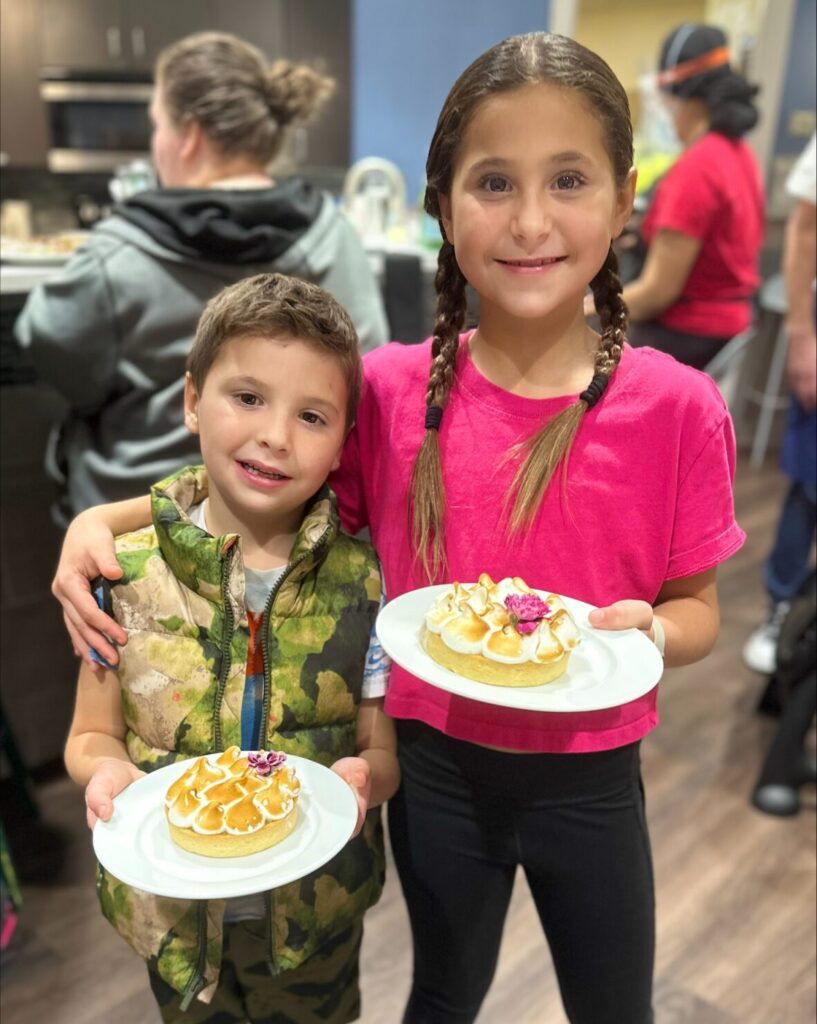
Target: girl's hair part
(536, 58)
(694, 64)
(225, 85)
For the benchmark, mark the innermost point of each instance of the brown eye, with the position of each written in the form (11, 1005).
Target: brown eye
(566, 182)
(495, 183)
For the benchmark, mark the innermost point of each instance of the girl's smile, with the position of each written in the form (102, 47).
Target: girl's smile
(532, 266)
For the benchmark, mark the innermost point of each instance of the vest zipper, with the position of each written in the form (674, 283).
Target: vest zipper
(262, 725)
(269, 897)
(218, 738)
(196, 983)
(269, 912)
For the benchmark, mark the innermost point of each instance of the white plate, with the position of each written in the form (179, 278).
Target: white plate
(607, 669)
(136, 847)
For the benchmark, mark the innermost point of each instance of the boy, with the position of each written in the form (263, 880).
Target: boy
(249, 618)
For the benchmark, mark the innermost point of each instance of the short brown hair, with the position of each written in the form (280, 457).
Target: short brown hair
(276, 306)
(225, 85)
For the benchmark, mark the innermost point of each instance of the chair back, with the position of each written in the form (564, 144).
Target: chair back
(725, 367)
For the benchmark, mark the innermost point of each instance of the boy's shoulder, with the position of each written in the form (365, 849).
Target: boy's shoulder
(355, 548)
(133, 550)
(352, 560)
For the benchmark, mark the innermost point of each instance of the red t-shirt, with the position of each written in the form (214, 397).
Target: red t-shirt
(714, 193)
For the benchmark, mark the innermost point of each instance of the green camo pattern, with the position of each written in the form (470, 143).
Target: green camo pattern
(182, 675)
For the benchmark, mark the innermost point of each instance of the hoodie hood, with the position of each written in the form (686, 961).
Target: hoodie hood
(240, 226)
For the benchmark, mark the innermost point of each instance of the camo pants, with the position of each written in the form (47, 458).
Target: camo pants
(324, 990)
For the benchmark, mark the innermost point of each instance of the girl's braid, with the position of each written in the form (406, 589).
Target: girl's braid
(450, 286)
(427, 491)
(612, 310)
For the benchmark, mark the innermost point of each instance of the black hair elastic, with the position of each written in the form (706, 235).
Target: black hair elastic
(434, 415)
(595, 390)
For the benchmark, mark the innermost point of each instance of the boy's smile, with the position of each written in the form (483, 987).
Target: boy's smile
(271, 418)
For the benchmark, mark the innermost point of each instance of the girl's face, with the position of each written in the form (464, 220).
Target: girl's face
(533, 203)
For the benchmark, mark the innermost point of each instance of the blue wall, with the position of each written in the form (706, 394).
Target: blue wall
(405, 58)
(800, 88)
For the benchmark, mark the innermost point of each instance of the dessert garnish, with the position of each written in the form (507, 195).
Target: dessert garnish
(266, 761)
(527, 611)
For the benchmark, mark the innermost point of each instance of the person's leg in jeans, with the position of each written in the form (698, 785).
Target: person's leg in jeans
(456, 879)
(788, 564)
(785, 571)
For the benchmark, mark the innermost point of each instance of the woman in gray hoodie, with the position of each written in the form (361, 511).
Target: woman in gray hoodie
(112, 330)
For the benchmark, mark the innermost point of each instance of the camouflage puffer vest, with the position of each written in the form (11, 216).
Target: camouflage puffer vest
(182, 674)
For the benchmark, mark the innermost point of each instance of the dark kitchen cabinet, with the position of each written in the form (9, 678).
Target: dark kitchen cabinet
(83, 34)
(318, 33)
(116, 35)
(23, 129)
(151, 25)
(38, 669)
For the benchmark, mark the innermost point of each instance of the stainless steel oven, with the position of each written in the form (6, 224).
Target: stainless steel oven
(96, 122)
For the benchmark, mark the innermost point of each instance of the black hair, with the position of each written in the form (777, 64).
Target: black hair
(726, 94)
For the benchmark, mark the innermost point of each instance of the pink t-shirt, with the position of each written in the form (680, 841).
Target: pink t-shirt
(714, 192)
(649, 499)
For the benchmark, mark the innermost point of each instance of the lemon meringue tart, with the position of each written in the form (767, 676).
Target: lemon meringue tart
(232, 804)
(503, 634)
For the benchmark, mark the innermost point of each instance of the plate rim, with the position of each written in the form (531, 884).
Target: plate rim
(100, 827)
(487, 692)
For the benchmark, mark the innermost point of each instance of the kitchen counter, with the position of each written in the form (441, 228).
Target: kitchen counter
(19, 280)
(16, 280)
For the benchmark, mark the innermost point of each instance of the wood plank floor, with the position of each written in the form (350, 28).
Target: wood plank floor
(736, 889)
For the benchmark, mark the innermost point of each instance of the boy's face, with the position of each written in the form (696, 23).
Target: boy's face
(271, 419)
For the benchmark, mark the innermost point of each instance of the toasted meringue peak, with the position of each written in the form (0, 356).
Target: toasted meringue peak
(477, 620)
(225, 794)
(466, 631)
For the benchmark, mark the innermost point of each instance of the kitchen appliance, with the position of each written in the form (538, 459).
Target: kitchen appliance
(97, 121)
(374, 196)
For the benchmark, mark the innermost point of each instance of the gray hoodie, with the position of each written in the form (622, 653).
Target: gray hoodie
(111, 331)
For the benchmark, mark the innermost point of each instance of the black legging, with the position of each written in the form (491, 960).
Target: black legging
(462, 821)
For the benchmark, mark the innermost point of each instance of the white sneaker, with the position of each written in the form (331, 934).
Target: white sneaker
(760, 650)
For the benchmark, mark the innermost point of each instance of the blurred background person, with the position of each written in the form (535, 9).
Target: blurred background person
(705, 223)
(788, 563)
(112, 330)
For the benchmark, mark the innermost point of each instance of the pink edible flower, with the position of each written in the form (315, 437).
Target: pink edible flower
(265, 761)
(527, 611)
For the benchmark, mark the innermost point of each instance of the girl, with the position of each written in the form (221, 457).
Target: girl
(530, 446)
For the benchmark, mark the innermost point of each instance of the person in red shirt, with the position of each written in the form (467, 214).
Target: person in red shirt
(704, 227)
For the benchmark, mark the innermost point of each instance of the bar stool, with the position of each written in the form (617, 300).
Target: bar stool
(772, 301)
(725, 368)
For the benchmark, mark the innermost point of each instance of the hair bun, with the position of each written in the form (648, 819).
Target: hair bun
(295, 92)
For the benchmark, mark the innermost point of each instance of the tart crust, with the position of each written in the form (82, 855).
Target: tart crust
(495, 673)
